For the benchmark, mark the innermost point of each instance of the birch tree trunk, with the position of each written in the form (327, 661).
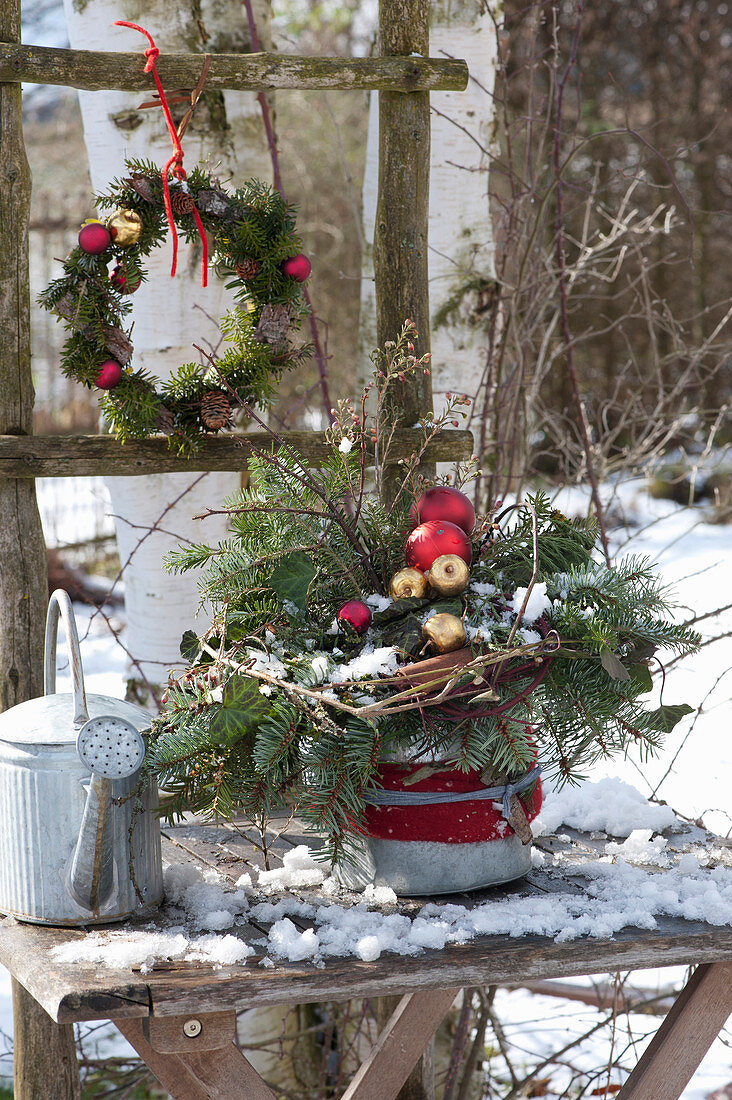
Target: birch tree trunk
(461, 271)
(169, 314)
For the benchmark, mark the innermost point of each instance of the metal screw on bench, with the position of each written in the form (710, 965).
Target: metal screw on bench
(192, 1028)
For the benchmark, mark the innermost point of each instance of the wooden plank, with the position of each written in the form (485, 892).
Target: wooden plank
(400, 1045)
(189, 1034)
(102, 455)
(84, 991)
(67, 993)
(684, 1037)
(420, 1084)
(400, 231)
(94, 70)
(170, 1070)
(79, 991)
(495, 961)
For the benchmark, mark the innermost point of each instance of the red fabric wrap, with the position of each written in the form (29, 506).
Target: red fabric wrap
(448, 822)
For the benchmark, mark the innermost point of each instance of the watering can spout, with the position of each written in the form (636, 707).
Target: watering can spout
(91, 881)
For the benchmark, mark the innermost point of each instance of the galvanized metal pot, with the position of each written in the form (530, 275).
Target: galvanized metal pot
(78, 846)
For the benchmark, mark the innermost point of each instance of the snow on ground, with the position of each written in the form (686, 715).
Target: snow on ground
(691, 775)
(693, 772)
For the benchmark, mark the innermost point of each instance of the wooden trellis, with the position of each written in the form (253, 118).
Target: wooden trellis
(404, 75)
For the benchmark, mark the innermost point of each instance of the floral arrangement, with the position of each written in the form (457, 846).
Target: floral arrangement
(349, 632)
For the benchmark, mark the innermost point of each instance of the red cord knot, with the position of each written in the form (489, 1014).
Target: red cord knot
(175, 164)
(152, 53)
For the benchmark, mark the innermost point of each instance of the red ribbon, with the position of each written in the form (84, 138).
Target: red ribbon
(175, 165)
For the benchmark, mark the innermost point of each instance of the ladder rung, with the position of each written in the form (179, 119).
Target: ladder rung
(95, 70)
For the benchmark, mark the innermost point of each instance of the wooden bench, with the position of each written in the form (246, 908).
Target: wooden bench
(181, 1017)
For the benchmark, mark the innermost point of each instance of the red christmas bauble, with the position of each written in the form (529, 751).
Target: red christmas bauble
(110, 375)
(448, 504)
(124, 283)
(297, 267)
(94, 238)
(431, 540)
(357, 614)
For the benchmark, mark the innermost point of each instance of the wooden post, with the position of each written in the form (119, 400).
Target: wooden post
(401, 278)
(45, 1056)
(23, 580)
(400, 233)
(44, 1053)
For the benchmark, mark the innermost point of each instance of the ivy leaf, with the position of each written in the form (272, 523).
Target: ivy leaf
(404, 632)
(398, 609)
(243, 707)
(189, 646)
(292, 576)
(448, 607)
(643, 651)
(613, 665)
(666, 717)
(642, 676)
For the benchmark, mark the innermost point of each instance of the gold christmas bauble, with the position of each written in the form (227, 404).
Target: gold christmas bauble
(408, 582)
(125, 227)
(444, 632)
(449, 575)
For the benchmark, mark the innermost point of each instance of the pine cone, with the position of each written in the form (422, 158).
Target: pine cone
(248, 268)
(215, 410)
(182, 201)
(274, 323)
(67, 307)
(213, 202)
(143, 186)
(118, 343)
(165, 421)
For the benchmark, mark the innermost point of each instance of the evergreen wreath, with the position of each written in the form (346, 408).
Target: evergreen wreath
(255, 247)
(317, 667)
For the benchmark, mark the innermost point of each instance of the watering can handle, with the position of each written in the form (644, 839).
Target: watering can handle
(59, 605)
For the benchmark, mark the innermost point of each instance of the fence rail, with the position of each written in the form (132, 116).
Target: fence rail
(102, 455)
(94, 70)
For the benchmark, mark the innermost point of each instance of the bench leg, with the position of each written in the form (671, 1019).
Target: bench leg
(686, 1034)
(400, 1044)
(44, 1058)
(223, 1072)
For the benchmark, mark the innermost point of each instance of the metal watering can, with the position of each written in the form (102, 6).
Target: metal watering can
(76, 846)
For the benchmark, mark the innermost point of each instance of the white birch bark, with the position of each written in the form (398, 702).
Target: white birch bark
(169, 314)
(460, 239)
